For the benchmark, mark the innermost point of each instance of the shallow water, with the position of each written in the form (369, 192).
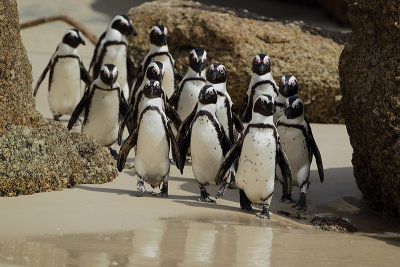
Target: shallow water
(238, 240)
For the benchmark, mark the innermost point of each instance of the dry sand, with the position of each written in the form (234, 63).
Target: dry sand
(114, 225)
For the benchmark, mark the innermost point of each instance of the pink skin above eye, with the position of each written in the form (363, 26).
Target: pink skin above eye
(221, 68)
(266, 60)
(257, 59)
(212, 67)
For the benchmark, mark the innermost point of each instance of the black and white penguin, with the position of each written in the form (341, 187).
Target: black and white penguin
(158, 50)
(186, 94)
(208, 142)
(259, 151)
(152, 139)
(261, 82)
(112, 48)
(102, 104)
(155, 71)
(66, 72)
(288, 87)
(299, 145)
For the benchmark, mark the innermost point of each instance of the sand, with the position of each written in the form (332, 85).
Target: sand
(114, 225)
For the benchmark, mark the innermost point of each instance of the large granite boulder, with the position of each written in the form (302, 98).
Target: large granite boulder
(370, 80)
(235, 37)
(35, 155)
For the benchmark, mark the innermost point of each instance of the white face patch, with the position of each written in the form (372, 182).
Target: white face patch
(292, 81)
(106, 71)
(72, 32)
(115, 72)
(257, 59)
(266, 60)
(283, 80)
(157, 84)
(204, 57)
(165, 30)
(221, 68)
(193, 53)
(147, 83)
(156, 30)
(266, 99)
(156, 69)
(296, 103)
(210, 90)
(212, 67)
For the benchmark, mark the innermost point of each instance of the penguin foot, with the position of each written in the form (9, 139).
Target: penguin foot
(205, 197)
(221, 191)
(140, 186)
(113, 153)
(161, 194)
(287, 198)
(56, 117)
(264, 214)
(302, 203)
(232, 185)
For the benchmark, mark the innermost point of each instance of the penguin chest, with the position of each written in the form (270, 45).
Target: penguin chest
(168, 82)
(102, 119)
(152, 149)
(294, 145)
(223, 109)
(189, 97)
(206, 150)
(116, 54)
(256, 169)
(65, 87)
(278, 113)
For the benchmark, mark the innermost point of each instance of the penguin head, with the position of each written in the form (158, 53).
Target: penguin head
(73, 38)
(159, 35)
(152, 89)
(261, 64)
(155, 71)
(123, 24)
(208, 95)
(216, 73)
(264, 105)
(109, 74)
(288, 86)
(293, 107)
(198, 60)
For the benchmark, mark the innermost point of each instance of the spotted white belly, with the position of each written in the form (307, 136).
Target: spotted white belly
(102, 121)
(256, 170)
(206, 150)
(189, 97)
(295, 147)
(152, 150)
(116, 54)
(168, 82)
(65, 87)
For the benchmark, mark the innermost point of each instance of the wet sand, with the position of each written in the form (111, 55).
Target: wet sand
(114, 225)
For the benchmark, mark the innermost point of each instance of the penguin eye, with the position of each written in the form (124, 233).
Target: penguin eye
(221, 71)
(296, 106)
(154, 70)
(155, 33)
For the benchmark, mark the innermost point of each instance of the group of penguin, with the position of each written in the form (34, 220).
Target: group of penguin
(195, 119)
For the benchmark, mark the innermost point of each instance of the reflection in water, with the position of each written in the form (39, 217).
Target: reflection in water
(174, 243)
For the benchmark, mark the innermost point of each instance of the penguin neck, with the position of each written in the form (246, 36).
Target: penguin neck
(155, 102)
(212, 108)
(194, 74)
(64, 49)
(280, 99)
(258, 118)
(114, 35)
(298, 120)
(255, 77)
(219, 87)
(156, 49)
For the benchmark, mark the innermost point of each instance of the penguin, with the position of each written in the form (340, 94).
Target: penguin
(112, 48)
(158, 50)
(102, 105)
(204, 134)
(261, 82)
(288, 87)
(66, 72)
(299, 145)
(152, 139)
(186, 94)
(259, 151)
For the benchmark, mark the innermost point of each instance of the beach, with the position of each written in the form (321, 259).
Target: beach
(113, 224)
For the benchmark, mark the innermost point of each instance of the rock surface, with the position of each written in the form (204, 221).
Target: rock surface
(35, 155)
(337, 9)
(370, 81)
(233, 39)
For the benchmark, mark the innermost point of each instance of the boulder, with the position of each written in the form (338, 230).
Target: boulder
(35, 155)
(337, 9)
(369, 70)
(234, 37)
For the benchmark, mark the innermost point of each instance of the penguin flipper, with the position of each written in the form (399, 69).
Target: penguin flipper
(315, 151)
(124, 122)
(175, 150)
(237, 122)
(96, 51)
(173, 115)
(42, 76)
(78, 109)
(286, 170)
(125, 149)
(131, 69)
(243, 107)
(229, 159)
(173, 100)
(183, 136)
(85, 76)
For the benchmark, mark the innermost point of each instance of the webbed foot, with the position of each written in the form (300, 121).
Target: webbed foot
(164, 191)
(264, 214)
(302, 203)
(287, 198)
(205, 197)
(140, 186)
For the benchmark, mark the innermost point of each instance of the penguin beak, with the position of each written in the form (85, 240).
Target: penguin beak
(262, 68)
(133, 31)
(164, 39)
(82, 41)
